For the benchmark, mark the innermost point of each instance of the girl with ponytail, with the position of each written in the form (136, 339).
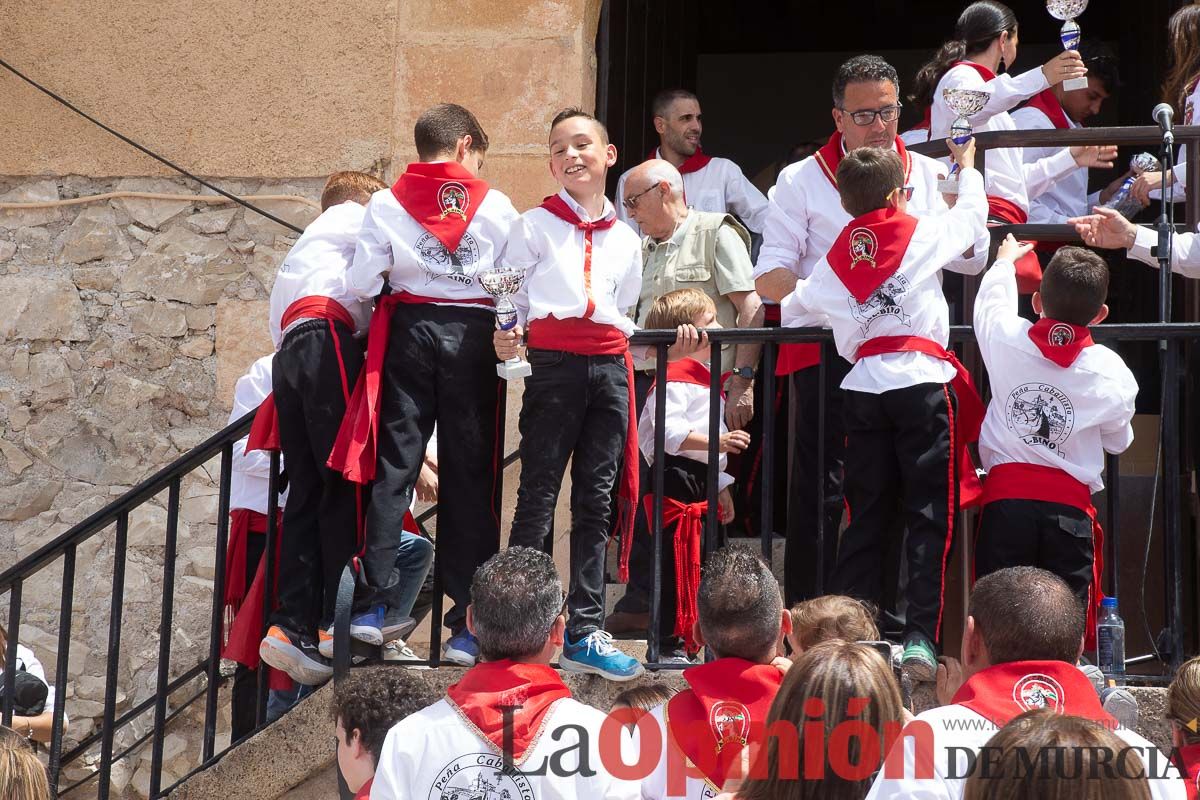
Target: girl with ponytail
(984, 43)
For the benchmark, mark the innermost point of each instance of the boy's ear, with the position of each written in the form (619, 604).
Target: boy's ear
(894, 199)
(1101, 315)
(462, 147)
(697, 634)
(610, 155)
(1036, 301)
(470, 620)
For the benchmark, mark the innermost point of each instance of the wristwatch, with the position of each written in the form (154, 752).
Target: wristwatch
(745, 373)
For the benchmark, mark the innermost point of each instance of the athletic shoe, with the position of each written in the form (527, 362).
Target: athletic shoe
(365, 627)
(919, 661)
(397, 650)
(296, 655)
(1119, 702)
(462, 649)
(396, 626)
(595, 654)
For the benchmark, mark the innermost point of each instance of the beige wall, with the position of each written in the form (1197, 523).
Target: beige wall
(276, 89)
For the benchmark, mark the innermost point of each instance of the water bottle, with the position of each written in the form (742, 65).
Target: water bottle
(1121, 201)
(1110, 641)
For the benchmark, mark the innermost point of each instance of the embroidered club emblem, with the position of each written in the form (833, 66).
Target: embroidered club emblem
(1061, 335)
(1037, 691)
(1041, 414)
(730, 722)
(480, 776)
(454, 200)
(863, 246)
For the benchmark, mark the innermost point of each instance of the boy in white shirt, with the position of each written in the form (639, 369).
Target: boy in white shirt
(685, 469)
(910, 407)
(1059, 403)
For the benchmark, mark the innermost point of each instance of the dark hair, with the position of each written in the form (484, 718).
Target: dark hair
(347, 186)
(866, 177)
(978, 24)
(862, 69)
(1074, 285)
(515, 597)
(1102, 63)
(438, 130)
(371, 701)
(1184, 32)
(646, 696)
(1027, 614)
(572, 112)
(661, 104)
(739, 604)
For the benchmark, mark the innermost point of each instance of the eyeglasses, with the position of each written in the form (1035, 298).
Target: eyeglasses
(631, 201)
(865, 118)
(907, 191)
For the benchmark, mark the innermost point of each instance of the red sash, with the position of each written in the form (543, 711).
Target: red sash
(966, 422)
(688, 519)
(1018, 481)
(926, 122)
(1029, 270)
(795, 356)
(870, 249)
(559, 208)
(442, 197)
(485, 688)
(712, 721)
(584, 337)
(693, 163)
(354, 450)
(242, 523)
(1187, 761)
(1005, 691)
(829, 156)
(245, 630)
(1061, 342)
(264, 430)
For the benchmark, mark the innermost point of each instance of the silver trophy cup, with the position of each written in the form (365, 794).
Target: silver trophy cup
(965, 103)
(1068, 10)
(500, 283)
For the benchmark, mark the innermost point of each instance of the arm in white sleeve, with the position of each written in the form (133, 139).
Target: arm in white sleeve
(802, 308)
(1185, 251)
(677, 427)
(372, 258)
(1116, 434)
(785, 235)
(1043, 173)
(744, 199)
(1006, 91)
(521, 254)
(248, 393)
(961, 227)
(1180, 172)
(995, 304)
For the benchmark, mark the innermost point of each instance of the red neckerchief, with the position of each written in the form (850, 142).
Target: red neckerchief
(829, 156)
(985, 73)
(485, 687)
(711, 721)
(364, 792)
(870, 249)
(442, 197)
(689, 370)
(561, 209)
(1061, 342)
(1188, 763)
(693, 163)
(1045, 102)
(1005, 691)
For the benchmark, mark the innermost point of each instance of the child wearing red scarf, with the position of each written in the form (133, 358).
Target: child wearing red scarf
(1183, 712)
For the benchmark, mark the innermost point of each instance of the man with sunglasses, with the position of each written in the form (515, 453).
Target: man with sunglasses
(806, 216)
(710, 184)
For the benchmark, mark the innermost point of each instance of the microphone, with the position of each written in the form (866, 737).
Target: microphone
(1163, 114)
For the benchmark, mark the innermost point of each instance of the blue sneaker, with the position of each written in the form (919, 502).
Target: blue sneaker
(365, 627)
(595, 654)
(462, 649)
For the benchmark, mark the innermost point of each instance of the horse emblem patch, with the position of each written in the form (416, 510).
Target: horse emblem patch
(1061, 335)
(1037, 691)
(863, 247)
(453, 200)
(730, 722)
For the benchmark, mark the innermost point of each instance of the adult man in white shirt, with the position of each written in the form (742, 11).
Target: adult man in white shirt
(509, 727)
(709, 183)
(1016, 657)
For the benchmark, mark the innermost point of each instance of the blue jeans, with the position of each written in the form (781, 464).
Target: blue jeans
(280, 701)
(413, 559)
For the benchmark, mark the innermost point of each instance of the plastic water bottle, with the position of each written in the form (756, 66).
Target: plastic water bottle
(1110, 641)
(1121, 201)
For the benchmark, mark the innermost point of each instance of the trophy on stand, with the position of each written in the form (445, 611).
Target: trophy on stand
(1068, 10)
(1122, 201)
(500, 282)
(965, 103)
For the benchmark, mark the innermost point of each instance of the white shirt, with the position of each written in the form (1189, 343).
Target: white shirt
(1185, 251)
(806, 216)
(1188, 117)
(654, 786)
(316, 267)
(1068, 196)
(393, 244)
(717, 186)
(909, 303)
(433, 752)
(1041, 413)
(250, 478)
(687, 412)
(551, 250)
(1008, 176)
(957, 730)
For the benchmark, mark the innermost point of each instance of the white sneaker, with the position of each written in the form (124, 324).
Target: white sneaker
(397, 650)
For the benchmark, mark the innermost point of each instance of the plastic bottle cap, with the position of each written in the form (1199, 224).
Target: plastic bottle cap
(1108, 602)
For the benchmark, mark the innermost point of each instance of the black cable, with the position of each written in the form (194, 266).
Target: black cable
(147, 150)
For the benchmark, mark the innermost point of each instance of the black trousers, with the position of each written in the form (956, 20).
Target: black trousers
(801, 564)
(1034, 533)
(312, 376)
(575, 407)
(440, 367)
(244, 696)
(899, 464)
